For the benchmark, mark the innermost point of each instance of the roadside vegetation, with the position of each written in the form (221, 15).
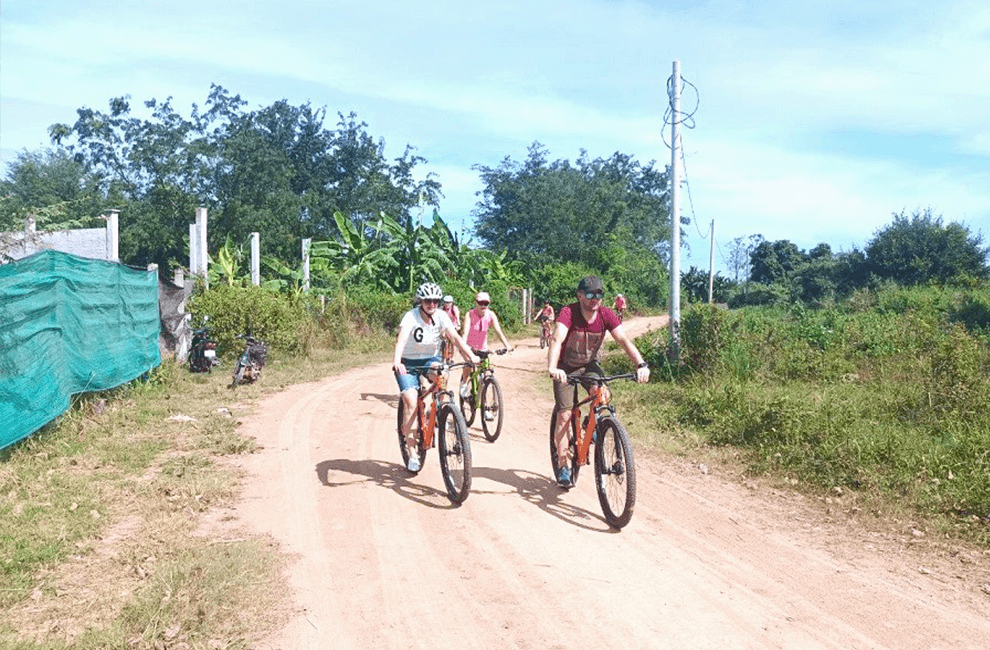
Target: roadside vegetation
(882, 398)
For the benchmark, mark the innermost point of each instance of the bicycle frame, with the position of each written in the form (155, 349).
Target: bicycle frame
(480, 369)
(599, 400)
(438, 389)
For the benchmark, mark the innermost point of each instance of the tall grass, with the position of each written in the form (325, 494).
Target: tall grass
(887, 394)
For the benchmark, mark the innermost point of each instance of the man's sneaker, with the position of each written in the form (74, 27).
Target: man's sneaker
(489, 416)
(465, 391)
(413, 464)
(564, 477)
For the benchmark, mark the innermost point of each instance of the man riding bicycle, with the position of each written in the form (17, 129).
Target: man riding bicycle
(577, 340)
(417, 347)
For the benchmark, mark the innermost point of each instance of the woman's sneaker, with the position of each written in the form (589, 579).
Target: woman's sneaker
(413, 465)
(564, 477)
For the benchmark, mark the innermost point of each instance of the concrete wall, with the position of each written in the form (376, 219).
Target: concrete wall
(93, 243)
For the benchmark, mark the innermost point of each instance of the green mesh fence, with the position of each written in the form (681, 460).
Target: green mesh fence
(70, 325)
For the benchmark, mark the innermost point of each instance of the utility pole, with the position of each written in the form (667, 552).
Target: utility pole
(711, 263)
(675, 215)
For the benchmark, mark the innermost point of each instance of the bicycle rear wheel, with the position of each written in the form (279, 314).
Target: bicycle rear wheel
(403, 449)
(455, 453)
(615, 472)
(491, 408)
(572, 449)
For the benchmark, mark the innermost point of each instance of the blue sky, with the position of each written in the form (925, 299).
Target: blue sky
(816, 120)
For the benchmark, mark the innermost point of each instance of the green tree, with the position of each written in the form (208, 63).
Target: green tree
(275, 170)
(610, 215)
(694, 284)
(740, 256)
(774, 261)
(50, 187)
(919, 248)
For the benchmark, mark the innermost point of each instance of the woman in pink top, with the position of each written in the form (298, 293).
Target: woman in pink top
(477, 322)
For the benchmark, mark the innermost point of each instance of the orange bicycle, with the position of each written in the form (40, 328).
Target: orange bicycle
(615, 468)
(441, 416)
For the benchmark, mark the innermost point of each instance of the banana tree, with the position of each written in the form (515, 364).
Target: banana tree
(417, 257)
(225, 266)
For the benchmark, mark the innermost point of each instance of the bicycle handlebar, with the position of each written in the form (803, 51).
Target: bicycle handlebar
(578, 378)
(442, 366)
(487, 353)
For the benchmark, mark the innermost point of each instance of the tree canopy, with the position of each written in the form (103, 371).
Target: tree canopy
(920, 248)
(609, 214)
(276, 170)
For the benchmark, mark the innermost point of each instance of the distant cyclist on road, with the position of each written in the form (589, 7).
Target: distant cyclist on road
(477, 322)
(452, 310)
(577, 339)
(546, 313)
(546, 318)
(620, 305)
(417, 346)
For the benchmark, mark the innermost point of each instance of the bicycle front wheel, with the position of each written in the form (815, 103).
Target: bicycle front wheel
(455, 453)
(491, 408)
(555, 460)
(468, 407)
(403, 448)
(615, 472)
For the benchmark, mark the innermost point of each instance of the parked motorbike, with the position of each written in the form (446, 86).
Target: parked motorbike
(251, 361)
(203, 352)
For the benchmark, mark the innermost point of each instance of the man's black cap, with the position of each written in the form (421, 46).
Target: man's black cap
(591, 283)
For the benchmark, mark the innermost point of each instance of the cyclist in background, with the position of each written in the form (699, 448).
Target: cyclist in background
(417, 346)
(452, 310)
(546, 313)
(577, 340)
(620, 305)
(477, 322)
(546, 318)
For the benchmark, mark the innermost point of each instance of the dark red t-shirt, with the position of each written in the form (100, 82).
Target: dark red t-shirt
(584, 339)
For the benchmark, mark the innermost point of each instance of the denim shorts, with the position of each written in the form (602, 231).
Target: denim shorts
(411, 378)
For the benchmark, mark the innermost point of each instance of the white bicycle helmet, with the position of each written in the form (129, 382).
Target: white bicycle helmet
(429, 291)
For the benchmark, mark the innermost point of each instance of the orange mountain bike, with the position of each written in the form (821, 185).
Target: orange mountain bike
(441, 416)
(615, 468)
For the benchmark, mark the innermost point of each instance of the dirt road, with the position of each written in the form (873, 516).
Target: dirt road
(382, 560)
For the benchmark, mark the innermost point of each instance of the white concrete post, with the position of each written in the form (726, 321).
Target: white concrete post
(305, 253)
(193, 250)
(204, 255)
(113, 238)
(256, 259)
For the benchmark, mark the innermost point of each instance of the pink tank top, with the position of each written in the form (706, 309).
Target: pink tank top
(477, 338)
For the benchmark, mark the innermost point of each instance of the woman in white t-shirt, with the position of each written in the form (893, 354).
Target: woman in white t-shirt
(417, 346)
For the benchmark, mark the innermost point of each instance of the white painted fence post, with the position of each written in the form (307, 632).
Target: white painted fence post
(305, 253)
(255, 259)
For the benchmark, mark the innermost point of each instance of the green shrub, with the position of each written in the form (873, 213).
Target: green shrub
(233, 310)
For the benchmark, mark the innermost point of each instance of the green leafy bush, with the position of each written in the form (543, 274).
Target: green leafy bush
(233, 310)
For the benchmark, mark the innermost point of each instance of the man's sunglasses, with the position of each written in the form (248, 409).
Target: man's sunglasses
(482, 303)
(591, 295)
(433, 301)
